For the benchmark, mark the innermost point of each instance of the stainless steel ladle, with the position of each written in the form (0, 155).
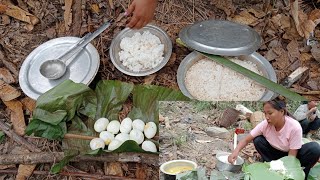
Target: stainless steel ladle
(56, 68)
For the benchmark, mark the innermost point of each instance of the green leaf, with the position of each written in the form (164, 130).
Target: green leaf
(68, 156)
(145, 101)
(111, 96)
(46, 130)
(53, 118)
(314, 173)
(2, 136)
(198, 174)
(292, 164)
(221, 175)
(277, 88)
(68, 96)
(260, 171)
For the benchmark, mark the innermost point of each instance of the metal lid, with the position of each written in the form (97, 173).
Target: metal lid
(81, 70)
(221, 38)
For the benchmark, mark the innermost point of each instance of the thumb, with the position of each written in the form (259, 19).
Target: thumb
(130, 8)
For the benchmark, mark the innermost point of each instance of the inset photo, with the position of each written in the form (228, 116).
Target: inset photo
(276, 139)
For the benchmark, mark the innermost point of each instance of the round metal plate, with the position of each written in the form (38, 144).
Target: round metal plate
(82, 69)
(221, 38)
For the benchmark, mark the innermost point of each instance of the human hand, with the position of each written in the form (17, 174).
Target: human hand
(142, 13)
(232, 157)
(312, 117)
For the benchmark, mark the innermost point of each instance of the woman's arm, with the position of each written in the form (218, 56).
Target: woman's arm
(293, 152)
(232, 157)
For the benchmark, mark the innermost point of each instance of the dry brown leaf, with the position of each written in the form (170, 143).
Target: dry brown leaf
(293, 50)
(25, 171)
(95, 8)
(315, 51)
(225, 5)
(282, 61)
(28, 104)
(6, 76)
(314, 16)
(245, 18)
(9, 65)
(7, 92)
(148, 80)
(17, 116)
(20, 14)
(5, 19)
(67, 14)
(172, 59)
(257, 12)
(285, 22)
(270, 55)
(141, 171)
(113, 168)
(3, 8)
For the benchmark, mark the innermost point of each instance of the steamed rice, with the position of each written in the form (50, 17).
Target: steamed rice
(209, 81)
(141, 52)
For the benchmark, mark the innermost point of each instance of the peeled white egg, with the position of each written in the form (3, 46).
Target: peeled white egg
(106, 136)
(149, 146)
(150, 130)
(126, 125)
(114, 145)
(137, 136)
(114, 127)
(97, 143)
(101, 124)
(138, 124)
(122, 137)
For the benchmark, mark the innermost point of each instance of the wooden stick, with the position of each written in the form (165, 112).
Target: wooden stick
(76, 136)
(74, 174)
(20, 140)
(51, 157)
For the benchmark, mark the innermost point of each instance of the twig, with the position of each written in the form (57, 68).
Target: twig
(76, 136)
(74, 174)
(50, 157)
(17, 138)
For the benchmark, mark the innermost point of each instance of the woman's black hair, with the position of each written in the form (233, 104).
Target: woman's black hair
(279, 105)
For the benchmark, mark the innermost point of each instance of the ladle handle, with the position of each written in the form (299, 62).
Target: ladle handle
(83, 42)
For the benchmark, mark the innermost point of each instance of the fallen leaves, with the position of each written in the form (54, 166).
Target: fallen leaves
(6, 76)
(67, 14)
(16, 116)
(8, 92)
(305, 24)
(18, 13)
(249, 16)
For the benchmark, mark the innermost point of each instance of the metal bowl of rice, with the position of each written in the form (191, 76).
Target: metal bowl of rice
(139, 63)
(223, 87)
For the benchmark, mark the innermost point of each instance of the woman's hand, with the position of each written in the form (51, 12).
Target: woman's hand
(232, 157)
(142, 13)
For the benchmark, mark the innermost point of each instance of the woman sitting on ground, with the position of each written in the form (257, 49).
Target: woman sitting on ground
(278, 136)
(308, 116)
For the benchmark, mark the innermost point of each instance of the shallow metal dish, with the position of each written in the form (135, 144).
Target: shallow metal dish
(263, 65)
(222, 166)
(127, 32)
(81, 70)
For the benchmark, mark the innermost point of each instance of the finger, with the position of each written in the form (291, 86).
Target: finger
(130, 9)
(139, 25)
(134, 20)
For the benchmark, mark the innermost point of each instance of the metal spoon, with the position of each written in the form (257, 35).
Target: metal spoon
(56, 68)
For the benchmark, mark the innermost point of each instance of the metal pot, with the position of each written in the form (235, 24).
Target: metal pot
(223, 166)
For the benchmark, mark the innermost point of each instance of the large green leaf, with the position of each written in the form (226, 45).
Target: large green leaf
(198, 174)
(222, 175)
(43, 129)
(59, 105)
(314, 173)
(145, 101)
(111, 96)
(261, 171)
(69, 154)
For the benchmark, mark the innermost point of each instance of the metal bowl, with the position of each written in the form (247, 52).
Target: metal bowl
(164, 168)
(127, 32)
(263, 65)
(222, 166)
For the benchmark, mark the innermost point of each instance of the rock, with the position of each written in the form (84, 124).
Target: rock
(222, 133)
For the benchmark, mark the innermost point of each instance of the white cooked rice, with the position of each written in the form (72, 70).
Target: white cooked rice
(207, 80)
(141, 52)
